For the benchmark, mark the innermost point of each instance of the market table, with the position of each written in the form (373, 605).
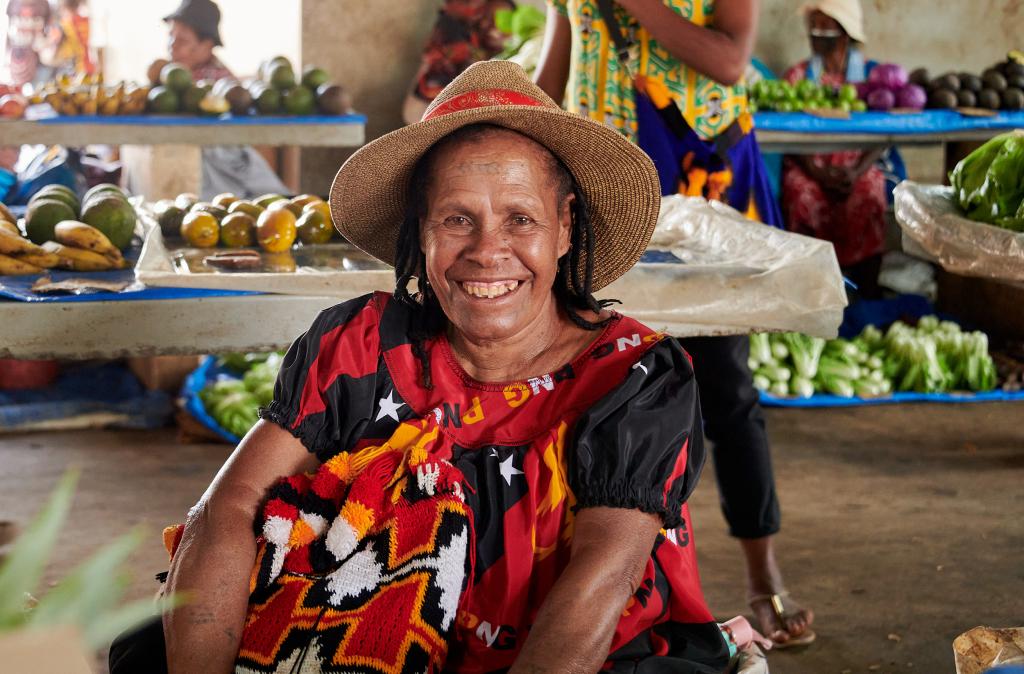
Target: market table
(162, 153)
(308, 131)
(801, 133)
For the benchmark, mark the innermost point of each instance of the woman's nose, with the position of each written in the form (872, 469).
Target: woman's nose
(489, 246)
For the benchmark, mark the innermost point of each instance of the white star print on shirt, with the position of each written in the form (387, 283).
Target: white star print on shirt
(508, 469)
(389, 408)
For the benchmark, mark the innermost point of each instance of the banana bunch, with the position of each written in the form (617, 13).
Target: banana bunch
(93, 98)
(78, 247)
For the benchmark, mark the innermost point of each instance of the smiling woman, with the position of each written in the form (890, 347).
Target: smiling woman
(500, 463)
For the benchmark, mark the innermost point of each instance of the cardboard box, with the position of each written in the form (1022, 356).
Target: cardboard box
(163, 373)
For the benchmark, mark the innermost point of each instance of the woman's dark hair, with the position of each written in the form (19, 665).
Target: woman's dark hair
(573, 285)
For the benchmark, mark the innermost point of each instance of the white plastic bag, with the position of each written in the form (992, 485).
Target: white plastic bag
(737, 276)
(934, 229)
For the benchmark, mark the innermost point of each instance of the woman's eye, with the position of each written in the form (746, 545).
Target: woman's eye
(457, 220)
(522, 220)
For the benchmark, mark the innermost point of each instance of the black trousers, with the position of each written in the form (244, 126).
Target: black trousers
(734, 424)
(139, 651)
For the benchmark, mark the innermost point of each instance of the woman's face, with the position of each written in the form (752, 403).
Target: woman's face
(827, 35)
(494, 229)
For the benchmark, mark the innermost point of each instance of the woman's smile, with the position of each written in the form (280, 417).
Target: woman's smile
(489, 290)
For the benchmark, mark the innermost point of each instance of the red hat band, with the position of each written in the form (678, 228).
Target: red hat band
(481, 99)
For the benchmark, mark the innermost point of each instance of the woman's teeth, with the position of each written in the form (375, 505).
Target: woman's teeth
(489, 290)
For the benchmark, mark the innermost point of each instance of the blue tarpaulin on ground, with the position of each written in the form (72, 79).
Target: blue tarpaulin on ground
(886, 123)
(207, 373)
(87, 390)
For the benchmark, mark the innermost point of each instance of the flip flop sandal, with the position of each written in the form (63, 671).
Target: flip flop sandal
(775, 600)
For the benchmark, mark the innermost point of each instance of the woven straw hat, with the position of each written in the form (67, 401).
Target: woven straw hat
(368, 197)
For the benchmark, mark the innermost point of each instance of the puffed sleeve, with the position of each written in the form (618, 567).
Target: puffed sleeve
(641, 446)
(324, 391)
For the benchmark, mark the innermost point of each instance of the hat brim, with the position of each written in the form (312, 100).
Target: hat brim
(369, 194)
(215, 38)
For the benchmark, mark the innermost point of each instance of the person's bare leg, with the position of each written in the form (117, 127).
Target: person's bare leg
(765, 578)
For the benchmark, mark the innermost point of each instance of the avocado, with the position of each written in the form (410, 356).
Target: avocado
(42, 216)
(267, 100)
(966, 99)
(989, 98)
(162, 100)
(920, 77)
(281, 76)
(103, 187)
(1015, 81)
(333, 100)
(169, 217)
(313, 77)
(113, 216)
(1013, 99)
(58, 193)
(239, 99)
(943, 99)
(971, 83)
(175, 77)
(948, 81)
(993, 79)
(191, 98)
(299, 101)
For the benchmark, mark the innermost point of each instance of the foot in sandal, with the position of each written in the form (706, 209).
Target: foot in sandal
(777, 616)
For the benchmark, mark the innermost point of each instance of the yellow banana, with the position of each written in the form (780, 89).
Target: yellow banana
(40, 259)
(15, 244)
(80, 235)
(8, 226)
(77, 258)
(14, 267)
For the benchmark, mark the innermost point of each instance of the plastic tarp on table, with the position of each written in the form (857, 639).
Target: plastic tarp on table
(886, 123)
(726, 275)
(736, 276)
(934, 229)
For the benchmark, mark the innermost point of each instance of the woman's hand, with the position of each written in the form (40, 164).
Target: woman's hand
(217, 551)
(576, 623)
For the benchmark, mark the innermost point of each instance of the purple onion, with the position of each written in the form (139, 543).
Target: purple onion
(889, 75)
(881, 99)
(912, 96)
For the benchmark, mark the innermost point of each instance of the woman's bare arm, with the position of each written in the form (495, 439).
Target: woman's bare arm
(576, 623)
(217, 551)
(552, 72)
(721, 51)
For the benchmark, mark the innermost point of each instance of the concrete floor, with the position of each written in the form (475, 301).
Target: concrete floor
(903, 526)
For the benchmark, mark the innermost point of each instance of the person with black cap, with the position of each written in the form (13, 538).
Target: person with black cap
(240, 170)
(194, 33)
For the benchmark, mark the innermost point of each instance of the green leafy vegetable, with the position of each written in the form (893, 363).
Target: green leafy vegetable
(988, 184)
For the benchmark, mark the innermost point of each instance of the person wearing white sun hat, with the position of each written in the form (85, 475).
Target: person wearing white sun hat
(839, 197)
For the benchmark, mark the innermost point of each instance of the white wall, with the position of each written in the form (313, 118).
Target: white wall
(133, 34)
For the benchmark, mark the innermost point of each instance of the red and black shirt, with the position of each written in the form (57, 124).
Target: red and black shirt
(619, 426)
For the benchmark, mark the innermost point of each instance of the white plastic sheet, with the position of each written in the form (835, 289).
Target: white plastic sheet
(737, 276)
(934, 230)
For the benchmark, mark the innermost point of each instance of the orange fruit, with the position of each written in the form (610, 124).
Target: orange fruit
(224, 199)
(243, 206)
(237, 230)
(200, 229)
(275, 230)
(321, 207)
(313, 229)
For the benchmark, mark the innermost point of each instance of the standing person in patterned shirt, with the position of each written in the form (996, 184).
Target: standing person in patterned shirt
(668, 76)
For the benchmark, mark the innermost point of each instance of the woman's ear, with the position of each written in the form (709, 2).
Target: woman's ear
(565, 224)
